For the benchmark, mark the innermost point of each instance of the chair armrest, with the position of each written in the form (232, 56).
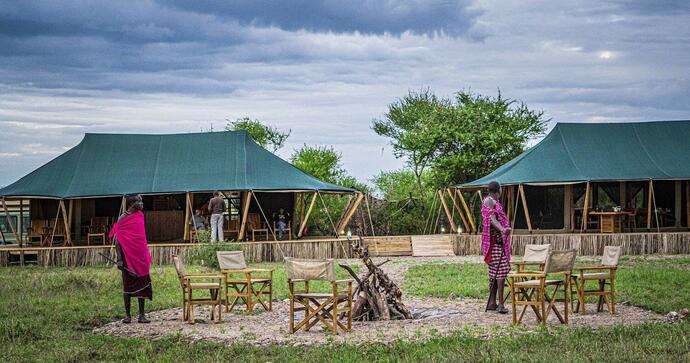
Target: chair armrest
(297, 280)
(342, 281)
(190, 277)
(527, 274)
(527, 263)
(584, 268)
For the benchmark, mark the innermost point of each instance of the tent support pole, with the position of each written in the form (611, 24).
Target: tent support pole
(467, 210)
(677, 205)
(656, 211)
(306, 216)
(346, 208)
(185, 235)
(9, 220)
(70, 220)
(245, 210)
(63, 211)
(687, 203)
(585, 210)
(650, 190)
(448, 214)
(366, 200)
(21, 224)
(123, 205)
(456, 208)
(268, 223)
(568, 207)
(524, 206)
(350, 212)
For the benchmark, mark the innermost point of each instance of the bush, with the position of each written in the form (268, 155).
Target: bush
(204, 254)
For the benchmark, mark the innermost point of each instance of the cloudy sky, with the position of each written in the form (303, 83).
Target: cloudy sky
(323, 69)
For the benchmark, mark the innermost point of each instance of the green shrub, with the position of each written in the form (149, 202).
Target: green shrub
(204, 254)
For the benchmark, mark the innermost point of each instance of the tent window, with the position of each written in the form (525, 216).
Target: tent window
(545, 205)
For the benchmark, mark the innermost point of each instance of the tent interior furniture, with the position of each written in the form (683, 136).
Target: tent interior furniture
(255, 224)
(191, 283)
(605, 275)
(38, 231)
(250, 286)
(56, 231)
(97, 230)
(530, 289)
(333, 309)
(231, 226)
(288, 229)
(535, 257)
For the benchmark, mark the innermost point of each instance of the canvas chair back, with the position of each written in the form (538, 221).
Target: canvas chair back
(536, 253)
(560, 261)
(253, 221)
(611, 256)
(231, 260)
(301, 269)
(179, 267)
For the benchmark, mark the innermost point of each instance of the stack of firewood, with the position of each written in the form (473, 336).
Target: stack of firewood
(376, 297)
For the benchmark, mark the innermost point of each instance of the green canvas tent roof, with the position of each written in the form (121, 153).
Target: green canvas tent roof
(580, 152)
(117, 164)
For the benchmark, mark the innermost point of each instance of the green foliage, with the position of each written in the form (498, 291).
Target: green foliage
(322, 162)
(270, 137)
(462, 279)
(204, 254)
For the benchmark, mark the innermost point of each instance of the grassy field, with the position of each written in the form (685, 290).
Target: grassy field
(48, 315)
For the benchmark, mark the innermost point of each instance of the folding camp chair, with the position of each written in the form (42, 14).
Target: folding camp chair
(212, 283)
(97, 229)
(609, 263)
(535, 255)
(332, 309)
(534, 293)
(244, 282)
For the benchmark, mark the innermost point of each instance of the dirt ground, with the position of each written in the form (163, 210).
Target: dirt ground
(438, 317)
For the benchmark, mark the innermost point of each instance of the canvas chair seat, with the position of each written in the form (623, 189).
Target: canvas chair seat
(533, 283)
(204, 285)
(333, 310)
(245, 285)
(593, 276)
(534, 257)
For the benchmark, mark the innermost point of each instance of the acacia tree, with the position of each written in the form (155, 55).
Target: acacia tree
(411, 123)
(269, 137)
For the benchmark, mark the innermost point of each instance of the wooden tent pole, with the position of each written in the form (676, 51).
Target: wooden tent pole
(521, 189)
(687, 203)
(345, 209)
(185, 235)
(70, 217)
(57, 215)
(245, 210)
(656, 211)
(123, 205)
(366, 200)
(457, 207)
(306, 216)
(21, 225)
(65, 221)
(453, 226)
(650, 191)
(585, 210)
(2, 236)
(350, 212)
(9, 220)
(467, 210)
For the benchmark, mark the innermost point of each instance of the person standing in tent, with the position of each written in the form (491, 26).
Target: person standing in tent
(216, 206)
(495, 246)
(134, 258)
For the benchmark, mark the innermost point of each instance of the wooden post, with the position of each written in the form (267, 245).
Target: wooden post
(585, 210)
(21, 223)
(509, 200)
(371, 222)
(306, 216)
(346, 208)
(65, 221)
(457, 207)
(687, 203)
(467, 210)
(123, 205)
(650, 191)
(678, 205)
(350, 212)
(9, 220)
(246, 200)
(185, 234)
(623, 194)
(568, 207)
(521, 189)
(70, 220)
(453, 226)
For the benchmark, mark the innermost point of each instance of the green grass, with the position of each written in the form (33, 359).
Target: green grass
(659, 284)
(47, 314)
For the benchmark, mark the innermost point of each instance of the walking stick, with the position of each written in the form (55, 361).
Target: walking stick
(492, 282)
(123, 267)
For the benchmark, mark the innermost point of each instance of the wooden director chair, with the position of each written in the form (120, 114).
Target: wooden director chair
(534, 257)
(534, 292)
(212, 283)
(56, 230)
(244, 282)
(254, 224)
(37, 232)
(606, 276)
(97, 229)
(333, 309)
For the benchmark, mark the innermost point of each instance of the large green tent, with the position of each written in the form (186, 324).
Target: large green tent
(118, 164)
(581, 152)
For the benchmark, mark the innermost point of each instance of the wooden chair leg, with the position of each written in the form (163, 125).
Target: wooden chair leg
(612, 291)
(600, 303)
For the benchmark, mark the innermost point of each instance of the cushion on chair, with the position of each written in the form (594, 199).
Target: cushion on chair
(231, 260)
(560, 261)
(204, 285)
(536, 253)
(598, 275)
(611, 256)
(323, 269)
(535, 283)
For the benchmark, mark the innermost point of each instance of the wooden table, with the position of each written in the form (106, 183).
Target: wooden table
(610, 222)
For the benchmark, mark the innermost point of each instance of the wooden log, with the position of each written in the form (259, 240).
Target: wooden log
(467, 210)
(457, 208)
(188, 205)
(453, 226)
(65, 220)
(585, 210)
(306, 216)
(246, 200)
(521, 189)
(650, 193)
(350, 212)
